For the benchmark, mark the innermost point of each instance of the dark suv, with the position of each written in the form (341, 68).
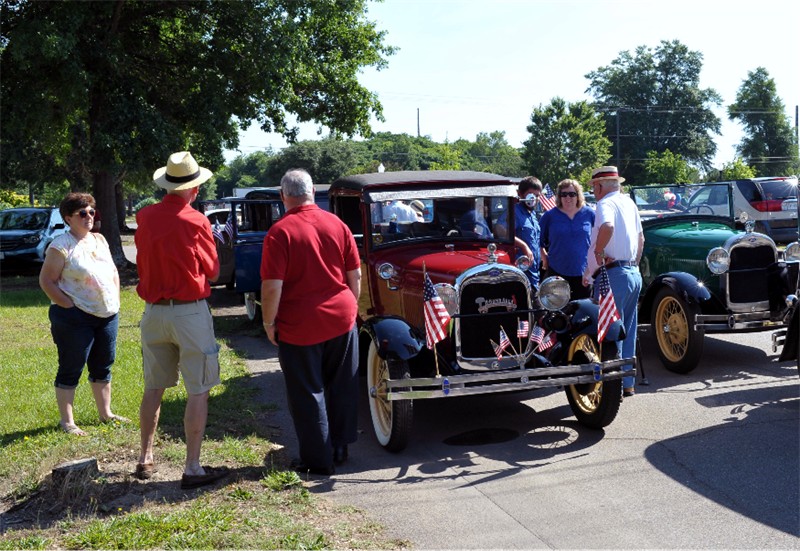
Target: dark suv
(458, 242)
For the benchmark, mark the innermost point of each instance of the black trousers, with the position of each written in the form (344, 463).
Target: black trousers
(322, 392)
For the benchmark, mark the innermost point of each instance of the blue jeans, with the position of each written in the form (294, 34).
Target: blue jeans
(626, 284)
(83, 339)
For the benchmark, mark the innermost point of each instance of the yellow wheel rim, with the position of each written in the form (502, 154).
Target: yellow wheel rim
(672, 329)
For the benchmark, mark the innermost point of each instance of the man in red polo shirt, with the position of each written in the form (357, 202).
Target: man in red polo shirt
(311, 279)
(176, 259)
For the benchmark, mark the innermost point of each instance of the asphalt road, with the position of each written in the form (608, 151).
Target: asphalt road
(704, 460)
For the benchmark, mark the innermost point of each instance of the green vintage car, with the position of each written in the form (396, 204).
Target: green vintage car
(702, 275)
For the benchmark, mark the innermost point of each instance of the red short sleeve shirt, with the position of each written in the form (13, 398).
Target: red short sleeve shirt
(310, 250)
(175, 252)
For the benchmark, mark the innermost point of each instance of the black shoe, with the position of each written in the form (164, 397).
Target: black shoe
(628, 392)
(298, 466)
(340, 454)
(189, 481)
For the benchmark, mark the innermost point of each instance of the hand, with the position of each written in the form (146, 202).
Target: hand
(270, 331)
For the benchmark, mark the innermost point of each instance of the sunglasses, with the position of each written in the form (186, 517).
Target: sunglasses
(567, 194)
(83, 213)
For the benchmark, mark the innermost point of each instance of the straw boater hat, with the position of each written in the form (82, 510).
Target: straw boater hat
(181, 172)
(605, 173)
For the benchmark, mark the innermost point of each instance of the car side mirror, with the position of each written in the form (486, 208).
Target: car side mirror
(59, 226)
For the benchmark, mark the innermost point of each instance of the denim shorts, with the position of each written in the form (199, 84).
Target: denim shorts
(83, 339)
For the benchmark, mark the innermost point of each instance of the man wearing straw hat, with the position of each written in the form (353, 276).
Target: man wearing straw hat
(617, 242)
(310, 283)
(177, 259)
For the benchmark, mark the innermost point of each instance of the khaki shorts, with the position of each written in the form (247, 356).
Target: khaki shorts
(179, 338)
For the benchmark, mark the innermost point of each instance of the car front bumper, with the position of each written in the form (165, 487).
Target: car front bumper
(504, 381)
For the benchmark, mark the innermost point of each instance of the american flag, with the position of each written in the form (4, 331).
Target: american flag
(497, 350)
(608, 309)
(548, 341)
(229, 227)
(522, 329)
(216, 231)
(537, 335)
(547, 198)
(436, 316)
(504, 342)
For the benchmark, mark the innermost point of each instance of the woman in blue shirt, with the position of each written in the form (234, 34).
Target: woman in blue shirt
(566, 232)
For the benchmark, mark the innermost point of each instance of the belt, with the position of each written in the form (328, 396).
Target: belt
(615, 264)
(174, 302)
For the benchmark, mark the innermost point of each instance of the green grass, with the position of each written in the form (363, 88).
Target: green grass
(261, 506)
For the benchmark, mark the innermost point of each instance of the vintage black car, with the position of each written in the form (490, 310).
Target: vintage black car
(703, 275)
(457, 239)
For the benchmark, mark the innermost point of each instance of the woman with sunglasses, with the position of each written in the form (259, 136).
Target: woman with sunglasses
(82, 282)
(566, 234)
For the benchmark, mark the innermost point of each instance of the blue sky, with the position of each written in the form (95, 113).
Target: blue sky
(484, 65)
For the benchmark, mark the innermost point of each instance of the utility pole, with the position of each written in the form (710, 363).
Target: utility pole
(417, 122)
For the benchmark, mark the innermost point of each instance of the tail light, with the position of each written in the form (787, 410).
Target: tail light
(773, 205)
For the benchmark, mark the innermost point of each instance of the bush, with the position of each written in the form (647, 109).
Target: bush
(9, 199)
(144, 202)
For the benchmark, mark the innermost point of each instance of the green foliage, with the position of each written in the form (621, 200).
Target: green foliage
(567, 141)
(9, 199)
(281, 480)
(737, 170)
(98, 92)
(769, 141)
(667, 168)
(450, 159)
(653, 102)
(144, 202)
(490, 153)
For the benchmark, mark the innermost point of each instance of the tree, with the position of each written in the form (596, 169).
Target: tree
(769, 141)
(653, 102)
(566, 141)
(667, 168)
(490, 152)
(737, 170)
(325, 160)
(100, 92)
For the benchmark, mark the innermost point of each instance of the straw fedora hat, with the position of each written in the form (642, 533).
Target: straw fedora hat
(181, 172)
(605, 173)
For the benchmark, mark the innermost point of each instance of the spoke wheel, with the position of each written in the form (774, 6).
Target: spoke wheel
(595, 405)
(252, 307)
(391, 420)
(679, 346)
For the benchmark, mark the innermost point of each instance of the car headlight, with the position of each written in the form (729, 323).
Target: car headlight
(554, 293)
(386, 271)
(718, 260)
(792, 252)
(32, 239)
(447, 293)
(523, 263)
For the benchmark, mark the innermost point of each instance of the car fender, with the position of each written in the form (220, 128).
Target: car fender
(685, 284)
(584, 321)
(393, 337)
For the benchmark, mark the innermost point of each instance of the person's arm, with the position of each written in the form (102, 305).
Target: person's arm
(604, 234)
(526, 250)
(640, 248)
(354, 282)
(545, 258)
(53, 265)
(271, 290)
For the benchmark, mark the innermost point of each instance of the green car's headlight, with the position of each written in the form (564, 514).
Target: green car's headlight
(792, 252)
(554, 293)
(718, 260)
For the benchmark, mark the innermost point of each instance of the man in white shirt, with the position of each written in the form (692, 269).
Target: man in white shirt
(617, 242)
(403, 212)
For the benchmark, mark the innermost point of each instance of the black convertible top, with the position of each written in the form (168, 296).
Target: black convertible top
(358, 182)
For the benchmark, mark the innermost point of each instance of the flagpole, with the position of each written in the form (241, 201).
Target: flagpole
(435, 355)
(509, 341)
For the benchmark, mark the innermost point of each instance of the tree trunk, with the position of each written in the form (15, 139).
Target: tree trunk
(120, 204)
(105, 197)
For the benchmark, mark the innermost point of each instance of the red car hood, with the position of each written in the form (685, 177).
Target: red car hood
(442, 266)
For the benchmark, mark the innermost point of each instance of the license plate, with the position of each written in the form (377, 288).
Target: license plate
(789, 205)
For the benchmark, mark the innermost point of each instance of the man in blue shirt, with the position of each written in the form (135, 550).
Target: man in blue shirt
(526, 224)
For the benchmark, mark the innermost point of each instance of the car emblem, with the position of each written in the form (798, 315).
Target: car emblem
(494, 272)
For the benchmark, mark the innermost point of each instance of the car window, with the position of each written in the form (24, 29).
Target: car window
(695, 200)
(468, 218)
(778, 190)
(23, 220)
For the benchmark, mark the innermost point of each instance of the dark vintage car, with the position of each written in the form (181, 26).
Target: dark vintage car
(240, 237)
(457, 240)
(703, 275)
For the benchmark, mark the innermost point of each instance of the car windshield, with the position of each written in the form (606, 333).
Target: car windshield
(695, 200)
(23, 219)
(480, 218)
